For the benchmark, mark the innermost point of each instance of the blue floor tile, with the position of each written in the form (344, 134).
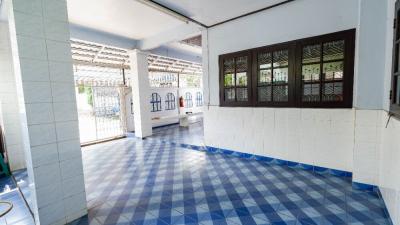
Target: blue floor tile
(165, 180)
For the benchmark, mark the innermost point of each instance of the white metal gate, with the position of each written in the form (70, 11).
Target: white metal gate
(99, 111)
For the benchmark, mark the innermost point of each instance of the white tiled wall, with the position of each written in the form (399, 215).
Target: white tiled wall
(344, 139)
(40, 43)
(322, 137)
(367, 141)
(9, 103)
(389, 178)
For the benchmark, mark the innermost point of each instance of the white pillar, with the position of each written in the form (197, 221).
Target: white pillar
(8, 103)
(39, 35)
(139, 78)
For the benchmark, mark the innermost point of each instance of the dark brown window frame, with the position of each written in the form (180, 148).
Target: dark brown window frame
(249, 82)
(394, 106)
(295, 72)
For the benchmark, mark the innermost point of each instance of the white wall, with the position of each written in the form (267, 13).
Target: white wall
(195, 108)
(314, 136)
(389, 179)
(319, 137)
(298, 19)
(345, 139)
(371, 43)
(9, 103)
(166, 117)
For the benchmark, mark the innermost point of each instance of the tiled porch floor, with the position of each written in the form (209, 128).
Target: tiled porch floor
(130, 181)
(153, 181)
(19, 214)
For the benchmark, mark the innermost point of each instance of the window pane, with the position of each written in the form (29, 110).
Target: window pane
(281, 76)
(229, 80)
(334, 50)
(264, 60)
(241, 64)
(333, 92)
(398, 25)
(281, 58)
(241, 79)
(280, 93)
(264, 77)
(230, 94)
(311, 72)
(229, 66)
(264, 94)
(311, 93)
(241, 94)
(333, 71)
(312, 53)
(397, 89)
(396, 58)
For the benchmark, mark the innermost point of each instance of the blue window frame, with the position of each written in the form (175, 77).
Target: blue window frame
(170, 103)
(155, 102)
(199, 99)
(188, 100)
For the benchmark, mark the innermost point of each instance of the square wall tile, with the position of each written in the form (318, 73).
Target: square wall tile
(65, 111)
(38, 113)
(59, 51)
(37, 92)
(71, 168)
(69, 149)
(34, 70)
(67, 130)
(367, 117)
(44, 154)
(56, 30)
(42, 134)
(61, 72)
(33, 7)
(28, 25)
(63, 92)
(73, 186)
(49, 194)
(31, 48)
(55, 10)
(52, 214)
(75, 203)
(47, 174)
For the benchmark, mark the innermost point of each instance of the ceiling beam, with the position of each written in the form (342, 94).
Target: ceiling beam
(101, 37)
(171, 12)
(172, 35)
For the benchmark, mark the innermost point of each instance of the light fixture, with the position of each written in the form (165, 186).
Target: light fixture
(164, 9)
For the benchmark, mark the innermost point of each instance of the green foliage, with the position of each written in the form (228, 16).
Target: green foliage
(89, 95)
(81, 89)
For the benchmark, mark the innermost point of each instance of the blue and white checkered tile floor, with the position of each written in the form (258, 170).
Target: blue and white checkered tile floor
(19, 214)
(131, 181)
(153, 181)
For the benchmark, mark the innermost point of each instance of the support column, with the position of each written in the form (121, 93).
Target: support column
(8, 103)
(39, 36)
(139, 78)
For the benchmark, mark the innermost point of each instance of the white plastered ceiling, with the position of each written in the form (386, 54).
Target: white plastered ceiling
(126, 18)
(210, 12)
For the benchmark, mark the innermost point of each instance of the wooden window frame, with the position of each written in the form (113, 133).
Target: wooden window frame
(291, 80)
(156, 102)
(394, 107)
(348, 69)
(295, 90)
(199, 99)
(170, 102)
(188, 100)
(249, 101)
